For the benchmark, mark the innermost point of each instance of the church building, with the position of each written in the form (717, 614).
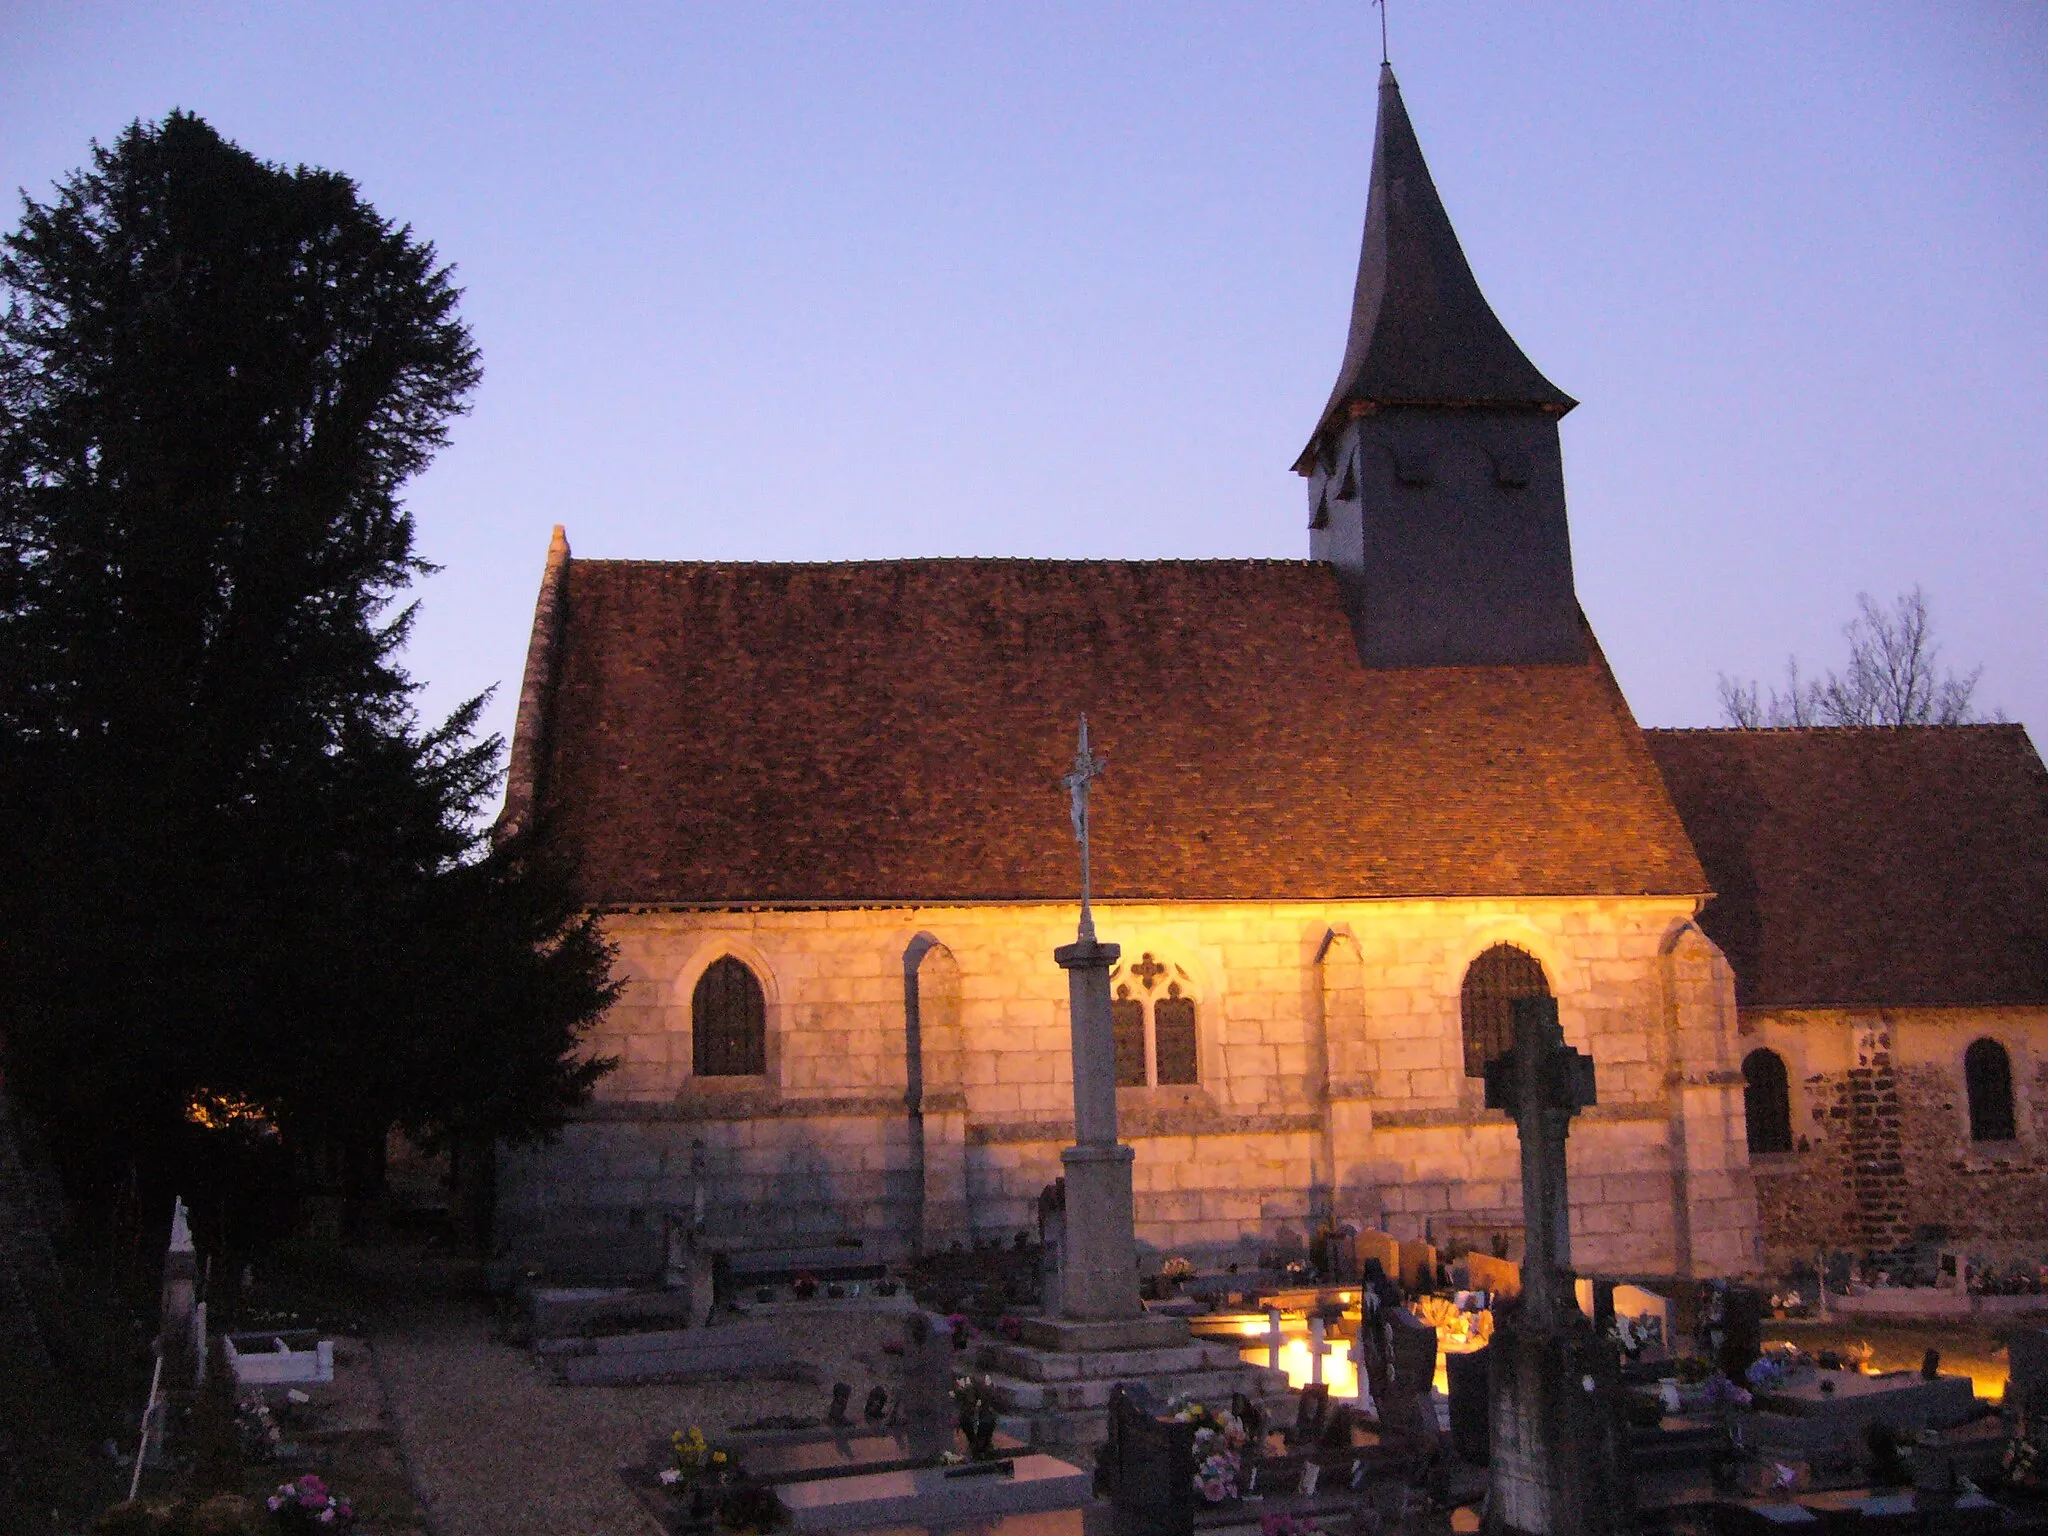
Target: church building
(1355, 804)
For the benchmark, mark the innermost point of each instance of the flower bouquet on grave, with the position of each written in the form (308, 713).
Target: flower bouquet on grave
(1219, 1449)
(2025, 1462)
(308, 1504)
(698, 1472)
(804, 1287)
(257, 1429)
(975, 1400)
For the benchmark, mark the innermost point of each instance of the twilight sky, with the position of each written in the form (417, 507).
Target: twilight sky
(770, 282)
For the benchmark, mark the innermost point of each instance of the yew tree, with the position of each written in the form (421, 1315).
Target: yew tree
(235, 864)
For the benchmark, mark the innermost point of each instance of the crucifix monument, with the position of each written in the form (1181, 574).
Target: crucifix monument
(1099, 1305)
(1557, 1450)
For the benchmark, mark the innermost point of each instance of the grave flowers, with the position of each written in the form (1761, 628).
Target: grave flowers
(308, 1504)
(694, 1460)
(2024, 1463)
(1219, 1450)
(975, 1399)
(805, 1287)
(256, 1427)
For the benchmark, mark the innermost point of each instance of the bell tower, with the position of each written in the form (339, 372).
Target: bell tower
(1435, 479)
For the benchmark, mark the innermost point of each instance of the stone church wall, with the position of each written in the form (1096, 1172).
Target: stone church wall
(1882, 1154)
(1329, 1058)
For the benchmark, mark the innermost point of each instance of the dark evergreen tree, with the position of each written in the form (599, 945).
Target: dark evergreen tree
(233, 862)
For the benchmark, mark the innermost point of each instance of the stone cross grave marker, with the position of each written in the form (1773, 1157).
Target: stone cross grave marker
(1542, 1083)
(1557, 1463)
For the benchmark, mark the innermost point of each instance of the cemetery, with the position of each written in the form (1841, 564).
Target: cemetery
(1069, 1386)
(1478, 1113)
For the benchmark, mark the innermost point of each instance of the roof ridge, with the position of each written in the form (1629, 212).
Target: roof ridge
(1834, 730)
(1018, 560)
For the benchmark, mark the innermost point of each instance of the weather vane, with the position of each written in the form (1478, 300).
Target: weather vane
(1087, 769)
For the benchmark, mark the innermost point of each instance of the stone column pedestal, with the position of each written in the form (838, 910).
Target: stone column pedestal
(1099, 1270)
(1099, 1305)
(1558, 1444)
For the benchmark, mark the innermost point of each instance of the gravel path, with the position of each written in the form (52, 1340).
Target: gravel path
(497, 1449)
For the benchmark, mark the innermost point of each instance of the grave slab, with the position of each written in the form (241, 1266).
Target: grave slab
(937, 1496)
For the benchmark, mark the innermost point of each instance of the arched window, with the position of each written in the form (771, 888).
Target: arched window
(1767, 1102)
(1987, 1071)
(1127, 1017)
(1492, 983)
(1157, 1043)
(728, 1022)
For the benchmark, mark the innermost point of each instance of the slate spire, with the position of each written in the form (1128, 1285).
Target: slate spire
(1421, 331)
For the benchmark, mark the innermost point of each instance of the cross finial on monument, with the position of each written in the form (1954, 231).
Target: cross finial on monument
(1087, 769)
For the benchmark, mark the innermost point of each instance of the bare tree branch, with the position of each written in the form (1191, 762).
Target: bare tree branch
(1892, 678)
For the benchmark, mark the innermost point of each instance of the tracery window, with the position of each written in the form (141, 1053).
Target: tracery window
(1987, 1073)
(1153, 1013)
(728, 1022)
(1767, 1102)
(1486, 1002)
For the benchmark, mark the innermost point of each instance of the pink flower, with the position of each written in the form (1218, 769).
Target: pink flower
(311, 1483)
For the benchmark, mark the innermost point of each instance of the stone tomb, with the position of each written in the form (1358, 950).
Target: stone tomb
(1801, 1416)
(937, 1496)
(730, 1349)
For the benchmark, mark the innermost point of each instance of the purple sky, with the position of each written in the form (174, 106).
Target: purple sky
(819, 282)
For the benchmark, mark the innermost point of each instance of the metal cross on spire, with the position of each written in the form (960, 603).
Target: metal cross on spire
(1382, 6)
(1087, 769)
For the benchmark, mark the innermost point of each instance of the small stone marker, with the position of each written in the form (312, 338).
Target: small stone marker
(925, 1400)
(1272, 1338)
(1318, 1348)
(181, 1362)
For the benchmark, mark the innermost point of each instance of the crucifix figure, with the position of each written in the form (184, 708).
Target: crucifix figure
(1087, 769)
(1542, 1082)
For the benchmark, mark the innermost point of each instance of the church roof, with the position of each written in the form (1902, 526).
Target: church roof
(892, 732)
(1421, 331)
(1870, 866)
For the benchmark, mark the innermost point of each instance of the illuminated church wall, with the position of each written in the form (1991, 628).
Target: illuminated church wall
(1327, 1055)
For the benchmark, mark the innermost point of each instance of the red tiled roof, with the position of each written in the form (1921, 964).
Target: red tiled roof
(892, 732)
(1875, 867)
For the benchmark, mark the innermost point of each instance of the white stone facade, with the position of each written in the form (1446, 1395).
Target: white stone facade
(1330, 1062)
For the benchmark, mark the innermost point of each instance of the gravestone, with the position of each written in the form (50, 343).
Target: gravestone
(1380, 1247)
(925, 1400)
(1556, 1438)
(182, 1359)
(1147, 1471)
(1469, 1404)
(1052, 1237)
(2026, 1385)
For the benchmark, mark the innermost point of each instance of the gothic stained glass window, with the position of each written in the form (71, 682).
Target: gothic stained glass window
(1767, 1102)
(1492, 983)
(728, 1022)
(1173, 1038)
(1127, 1014)
(1987, 1073)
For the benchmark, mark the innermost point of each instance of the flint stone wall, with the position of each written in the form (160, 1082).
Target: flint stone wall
(1882, 1154)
